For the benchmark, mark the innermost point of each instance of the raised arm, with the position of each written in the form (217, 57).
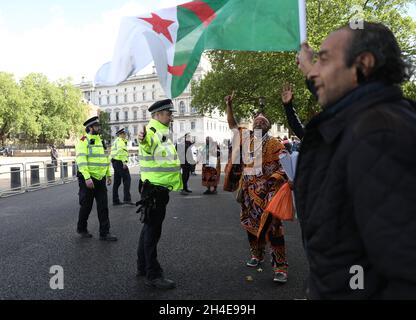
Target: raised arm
(292, 117)
(232, 123)
(146, 141)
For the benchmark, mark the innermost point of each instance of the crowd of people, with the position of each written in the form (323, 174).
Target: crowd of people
(355, 177)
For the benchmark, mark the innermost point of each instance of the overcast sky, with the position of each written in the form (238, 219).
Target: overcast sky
(66, 38)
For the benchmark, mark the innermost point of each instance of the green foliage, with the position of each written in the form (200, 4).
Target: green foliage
(38, 111)
(254, 74)
(104, 119)
(12, 107)
(409, 90)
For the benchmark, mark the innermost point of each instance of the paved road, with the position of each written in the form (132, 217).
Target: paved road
(202, 248)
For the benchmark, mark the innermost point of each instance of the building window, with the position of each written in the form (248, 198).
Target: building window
(135, 97)
(144, 96)
(153, 96)
(116, 99)
(193, 125)
(108, 91)
(125, 98)
(108, 100)
(99, 92)
(181, 107)
(99, 101)
(116, 90)
(193, 109)
(135, 115)
(181, 127)
(117, 116)
(144, 88)
(126, 115)
(144, 114)
(125, 89)
(135, 130)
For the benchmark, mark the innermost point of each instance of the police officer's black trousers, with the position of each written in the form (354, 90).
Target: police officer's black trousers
(121, 174)
(86, 200)
(186, 171)
(152, 229)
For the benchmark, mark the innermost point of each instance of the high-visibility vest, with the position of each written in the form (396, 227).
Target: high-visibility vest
(91, 158)
(159, 161)
(119, 150)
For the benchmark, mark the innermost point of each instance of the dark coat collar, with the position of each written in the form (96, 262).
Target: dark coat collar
(332, 121)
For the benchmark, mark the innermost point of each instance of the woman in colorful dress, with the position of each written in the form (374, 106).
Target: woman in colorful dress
(211, 169)
(259, 184)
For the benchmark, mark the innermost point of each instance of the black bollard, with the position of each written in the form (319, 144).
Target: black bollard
(15, 181)
(34, 176)
(64, 170)
(50, 172)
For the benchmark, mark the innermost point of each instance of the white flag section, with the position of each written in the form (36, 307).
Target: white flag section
(141, 40)
(288, 162)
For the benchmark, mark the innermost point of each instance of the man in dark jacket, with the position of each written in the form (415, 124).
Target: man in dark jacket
(356, 175)
(185, 154)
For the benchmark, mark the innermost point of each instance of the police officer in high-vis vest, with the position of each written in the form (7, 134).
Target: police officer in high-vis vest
(93, 171)
(160, 174)
(119, 160)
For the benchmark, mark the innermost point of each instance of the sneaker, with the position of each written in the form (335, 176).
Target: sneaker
(187, 190)
(108, 237)
(84, 234)
(254, 262)
(280, 276)
(160, 283)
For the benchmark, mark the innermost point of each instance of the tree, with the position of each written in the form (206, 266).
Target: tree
(12, 107)
(32, 88)
(56, 111)
(104, 119)
(253, 74)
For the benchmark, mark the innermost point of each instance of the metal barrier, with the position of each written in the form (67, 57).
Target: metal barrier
(34, 176)
(17, 178)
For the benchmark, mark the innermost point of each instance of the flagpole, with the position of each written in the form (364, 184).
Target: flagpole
(302, 20)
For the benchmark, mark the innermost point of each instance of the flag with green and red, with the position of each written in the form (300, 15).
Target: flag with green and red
(175, 38)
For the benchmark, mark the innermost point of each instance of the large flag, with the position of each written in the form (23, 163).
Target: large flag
(175, 38)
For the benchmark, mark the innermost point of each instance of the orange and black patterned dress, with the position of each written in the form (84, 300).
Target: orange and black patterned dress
(258, 190)
(210, 174)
